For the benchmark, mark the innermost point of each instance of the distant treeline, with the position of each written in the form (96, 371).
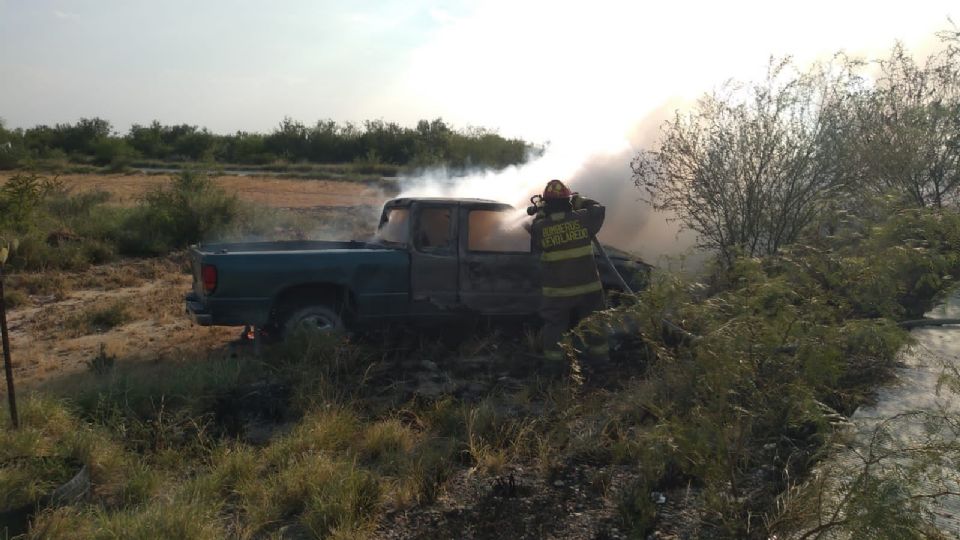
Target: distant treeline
(431, 142)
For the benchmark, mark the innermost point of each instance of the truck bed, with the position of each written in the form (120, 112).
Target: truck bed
(282, 246)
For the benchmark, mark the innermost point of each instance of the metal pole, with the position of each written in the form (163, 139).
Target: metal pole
(603, 252)
(7, 360)
(623, 283)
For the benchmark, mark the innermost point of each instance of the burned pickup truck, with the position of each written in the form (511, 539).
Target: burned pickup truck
(432, 260)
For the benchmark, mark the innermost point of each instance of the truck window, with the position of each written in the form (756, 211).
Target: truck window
(434, 231)
(394, 227)
(497, 230)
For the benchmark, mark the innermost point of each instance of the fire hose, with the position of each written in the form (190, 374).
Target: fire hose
(623, 283)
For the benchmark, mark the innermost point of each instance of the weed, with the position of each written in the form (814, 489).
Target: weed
(99, 318)
(386, 444)
(192, 209)
(15, 298)
(102, 363)
(53, 284)
(327, 495)
(165, 520)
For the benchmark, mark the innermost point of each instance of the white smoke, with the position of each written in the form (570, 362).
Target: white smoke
(631, 224)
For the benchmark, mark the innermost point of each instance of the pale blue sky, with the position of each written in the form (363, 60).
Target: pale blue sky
(227, 65)
(537, 69)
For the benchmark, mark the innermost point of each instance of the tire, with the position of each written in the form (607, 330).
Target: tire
(314, 319)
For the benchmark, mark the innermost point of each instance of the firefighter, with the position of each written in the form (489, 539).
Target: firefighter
(563, 233)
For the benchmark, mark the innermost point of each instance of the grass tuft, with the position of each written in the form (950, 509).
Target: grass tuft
(99, 318)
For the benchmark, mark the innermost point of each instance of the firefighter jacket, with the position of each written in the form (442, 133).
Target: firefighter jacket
(565, 243)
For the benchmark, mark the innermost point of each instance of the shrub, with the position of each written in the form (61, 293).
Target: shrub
(15, 298)
(784, 342)
(191, 210)
(11, 156)
(21, 196)
(99, 318)
(103, 362)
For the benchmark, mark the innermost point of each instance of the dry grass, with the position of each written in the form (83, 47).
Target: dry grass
(134, 309)
(127, 189)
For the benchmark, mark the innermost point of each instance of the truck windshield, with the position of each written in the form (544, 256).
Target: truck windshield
(394, 226)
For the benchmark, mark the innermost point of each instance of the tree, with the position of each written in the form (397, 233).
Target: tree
(81, 137)
(289, 140)
(909, 127)
(748, 168)
(11, 148)
(148, 140)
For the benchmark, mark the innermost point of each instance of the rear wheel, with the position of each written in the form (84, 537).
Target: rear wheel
(313, 319)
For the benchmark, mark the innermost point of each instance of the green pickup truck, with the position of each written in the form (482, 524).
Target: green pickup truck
(432, 260)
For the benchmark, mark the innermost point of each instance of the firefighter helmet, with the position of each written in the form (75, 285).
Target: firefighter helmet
(556, 190)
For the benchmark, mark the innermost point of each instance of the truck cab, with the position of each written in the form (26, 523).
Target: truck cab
(465, 254)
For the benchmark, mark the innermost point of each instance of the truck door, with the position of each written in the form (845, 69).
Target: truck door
(433, 257)
(498, 272)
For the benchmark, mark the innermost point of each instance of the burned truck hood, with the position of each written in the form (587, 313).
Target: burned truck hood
(633, 270)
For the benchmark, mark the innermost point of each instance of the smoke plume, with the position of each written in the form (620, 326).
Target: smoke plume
(605, 176)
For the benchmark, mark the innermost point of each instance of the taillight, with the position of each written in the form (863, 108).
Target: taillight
(208, 273)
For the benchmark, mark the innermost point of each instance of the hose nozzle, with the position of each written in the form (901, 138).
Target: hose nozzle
(536, 203)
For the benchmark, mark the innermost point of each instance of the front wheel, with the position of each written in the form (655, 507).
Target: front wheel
(313, 319)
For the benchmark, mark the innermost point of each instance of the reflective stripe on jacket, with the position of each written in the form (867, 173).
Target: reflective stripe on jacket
(565, 242)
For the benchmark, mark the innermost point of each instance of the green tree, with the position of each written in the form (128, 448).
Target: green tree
(114, 152)
(289, 140)
(82, 137)
(11, 147)
(749, 166)
(908, 128)
(148, 140)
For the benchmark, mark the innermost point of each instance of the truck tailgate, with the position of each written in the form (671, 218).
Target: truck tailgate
(195, 257)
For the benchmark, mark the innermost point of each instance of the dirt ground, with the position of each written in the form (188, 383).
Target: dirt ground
(51, 336)
(126, 189)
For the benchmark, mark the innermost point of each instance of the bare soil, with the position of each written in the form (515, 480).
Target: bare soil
(127, 188)
(49, 340)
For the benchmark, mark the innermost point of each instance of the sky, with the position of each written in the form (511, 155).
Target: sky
(592, 79)
(540, 70)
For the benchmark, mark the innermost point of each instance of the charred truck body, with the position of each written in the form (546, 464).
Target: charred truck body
(432, 261)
